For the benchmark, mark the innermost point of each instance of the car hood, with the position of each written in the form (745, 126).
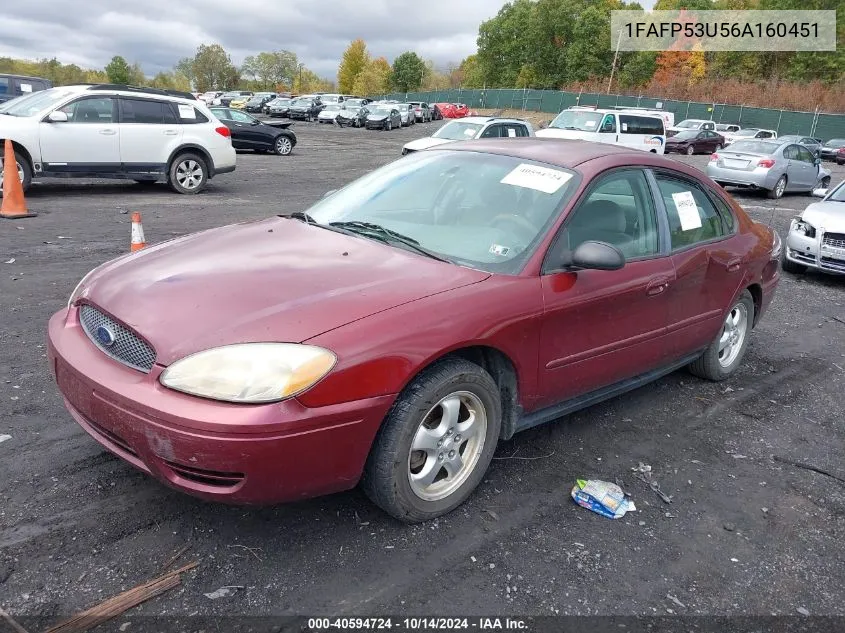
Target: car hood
(273, 280)
(14, 123)
(828, 215)
(425, 143)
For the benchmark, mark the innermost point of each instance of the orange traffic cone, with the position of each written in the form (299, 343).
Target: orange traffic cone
(13, 203)
(137, 233)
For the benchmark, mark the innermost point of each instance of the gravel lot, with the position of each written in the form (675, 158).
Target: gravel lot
(748, 531)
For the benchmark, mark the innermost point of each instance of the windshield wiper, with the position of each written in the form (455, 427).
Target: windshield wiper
(377, 231)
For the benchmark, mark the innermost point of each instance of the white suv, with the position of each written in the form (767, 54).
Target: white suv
(110, 131)
(472, 127)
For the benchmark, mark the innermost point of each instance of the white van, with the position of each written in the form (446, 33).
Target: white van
(635, 130)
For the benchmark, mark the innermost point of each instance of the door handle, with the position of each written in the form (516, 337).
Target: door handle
(170, 132)
(733, 265)
(108, 132)
(656, 286)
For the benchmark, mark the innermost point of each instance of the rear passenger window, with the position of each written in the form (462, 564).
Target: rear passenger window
(188, 114)
(724, 210)
(641, 124)
(146, 111)
(692, 217)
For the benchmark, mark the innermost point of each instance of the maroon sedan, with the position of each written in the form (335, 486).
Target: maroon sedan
(692, 142)
(395, 332)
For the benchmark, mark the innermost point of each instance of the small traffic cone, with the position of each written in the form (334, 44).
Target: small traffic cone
(137, 233)
(13, 205)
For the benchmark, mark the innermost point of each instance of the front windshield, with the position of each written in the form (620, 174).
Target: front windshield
(380, 109)
(332, 107)
(583, 120)
(682, 136)
(838, 194)
(458, 131)
(746, 133)
(353, 103)
(754, 147)
(835, 143)
(484, 211)
(34, 103)
(689, 123)
(281, 102)
(302, 102)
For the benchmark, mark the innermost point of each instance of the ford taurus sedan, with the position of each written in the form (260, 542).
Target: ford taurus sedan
(395, 332)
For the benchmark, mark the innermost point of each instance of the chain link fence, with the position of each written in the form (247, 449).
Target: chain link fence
(821, 125)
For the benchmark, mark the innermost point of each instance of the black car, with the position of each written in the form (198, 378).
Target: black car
(305, 109)
(383, 117)
(250, 133)
(352, 116)
(256, 104)
(13, 86)
(279, 107)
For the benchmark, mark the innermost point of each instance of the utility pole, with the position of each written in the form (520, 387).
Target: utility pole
(615, 57)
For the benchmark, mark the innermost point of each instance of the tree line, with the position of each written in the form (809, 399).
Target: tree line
(211, 68)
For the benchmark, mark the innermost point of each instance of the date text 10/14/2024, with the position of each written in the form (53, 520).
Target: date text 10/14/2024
(409, 624)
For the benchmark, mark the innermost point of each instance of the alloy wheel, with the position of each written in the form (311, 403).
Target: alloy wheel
(733, 335)
(447, 446)
(189, 174)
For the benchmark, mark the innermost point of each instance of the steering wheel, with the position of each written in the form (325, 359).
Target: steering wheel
(522, 226)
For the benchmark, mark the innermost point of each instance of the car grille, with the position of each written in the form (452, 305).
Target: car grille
(836, 240)
(128, 348)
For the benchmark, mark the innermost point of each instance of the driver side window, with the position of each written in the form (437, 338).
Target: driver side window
(619, 211)
(239, 116)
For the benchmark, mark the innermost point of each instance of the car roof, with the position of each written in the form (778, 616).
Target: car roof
(487, 119)
(127, 91)
(567, 153)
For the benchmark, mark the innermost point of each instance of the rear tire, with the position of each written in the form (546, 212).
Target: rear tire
(188, 173)
(450, 398)
(780, 187)
(724, 356)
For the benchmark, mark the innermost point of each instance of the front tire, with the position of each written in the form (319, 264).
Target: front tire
(690, 150)
(188, 173)
(282, 146)
(24, 173)
(436, 442)
(724, 356)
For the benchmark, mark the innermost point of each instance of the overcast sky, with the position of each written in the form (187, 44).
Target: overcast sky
(157, 33)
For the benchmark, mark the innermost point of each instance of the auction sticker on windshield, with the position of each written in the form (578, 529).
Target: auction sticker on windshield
(687, 210)
(538, 178)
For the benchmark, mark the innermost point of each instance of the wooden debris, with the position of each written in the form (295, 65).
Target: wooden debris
(17, 627)
(175, 557)
(120, 603)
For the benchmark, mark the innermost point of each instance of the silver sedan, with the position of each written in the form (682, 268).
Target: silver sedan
(408, 113)
(816, 238)
(770, 165)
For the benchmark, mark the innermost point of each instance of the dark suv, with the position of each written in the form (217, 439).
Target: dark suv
(12, 86)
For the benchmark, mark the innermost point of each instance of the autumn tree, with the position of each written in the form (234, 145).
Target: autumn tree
(118, 70)
(213, 69)
(306, 81)
(374, 79)
(269, 69)
(468, 74)
(408, 72)
(433, 79)
(355, 60)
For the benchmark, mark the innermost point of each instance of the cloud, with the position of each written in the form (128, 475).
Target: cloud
(157, 33)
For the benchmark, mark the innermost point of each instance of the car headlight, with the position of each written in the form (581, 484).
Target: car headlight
(250, 372)
(777, 246)
(801, 226)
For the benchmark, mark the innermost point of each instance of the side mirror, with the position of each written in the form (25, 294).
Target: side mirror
(817, 161)
(255, 122)
(57, 116)
(819, 193)
(595, 256)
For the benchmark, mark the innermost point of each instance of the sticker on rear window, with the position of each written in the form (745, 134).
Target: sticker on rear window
(687, 210)
(26, 87)
(538, 178)
(511, 132)
(498, 249)
(187, 112)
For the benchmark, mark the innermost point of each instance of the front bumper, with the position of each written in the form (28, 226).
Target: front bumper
(240, 454)
(813, 253)
(375, 125)
(760, 178)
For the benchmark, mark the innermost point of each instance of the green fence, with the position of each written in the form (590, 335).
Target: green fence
(817, 124)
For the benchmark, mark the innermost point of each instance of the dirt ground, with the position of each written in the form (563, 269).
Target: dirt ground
(751, 528)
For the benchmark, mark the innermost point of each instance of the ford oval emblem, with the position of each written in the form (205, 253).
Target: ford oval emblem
(105, 336)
